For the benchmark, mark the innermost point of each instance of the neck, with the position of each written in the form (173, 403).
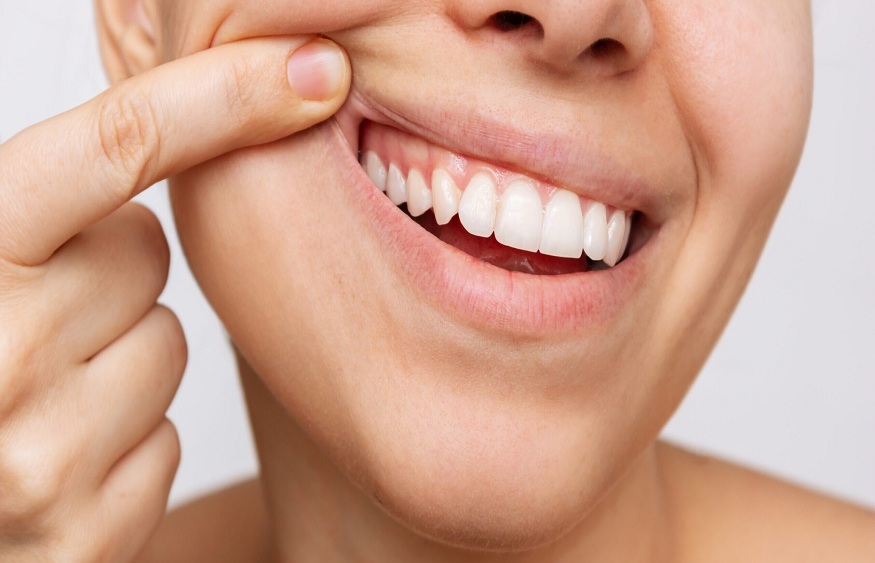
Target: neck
(318, 514)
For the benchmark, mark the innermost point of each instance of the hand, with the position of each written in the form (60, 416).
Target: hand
(89, 362)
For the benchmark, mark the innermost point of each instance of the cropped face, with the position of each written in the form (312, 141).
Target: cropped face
(588, 185)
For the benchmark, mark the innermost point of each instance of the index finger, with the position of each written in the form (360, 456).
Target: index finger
(64, 174)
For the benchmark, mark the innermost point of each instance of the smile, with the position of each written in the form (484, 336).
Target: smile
(478, 230)
(523, 213)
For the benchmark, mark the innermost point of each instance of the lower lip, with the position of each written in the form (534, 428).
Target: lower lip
(484, 296)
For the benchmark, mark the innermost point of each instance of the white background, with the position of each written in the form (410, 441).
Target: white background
(791, 386)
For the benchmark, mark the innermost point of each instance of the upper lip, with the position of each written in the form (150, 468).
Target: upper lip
(574, 163)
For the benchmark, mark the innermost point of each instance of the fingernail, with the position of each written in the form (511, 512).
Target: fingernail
(317, 70)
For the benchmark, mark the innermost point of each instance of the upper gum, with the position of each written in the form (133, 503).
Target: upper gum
(409, 152)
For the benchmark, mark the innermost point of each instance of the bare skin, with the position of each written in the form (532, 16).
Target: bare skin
(719, 512)
(711, 510)
(397, 420)
(409, 401)
(764, 518)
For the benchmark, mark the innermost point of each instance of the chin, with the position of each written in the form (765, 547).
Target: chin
(465, 462)
(500, 516)
(488, 480)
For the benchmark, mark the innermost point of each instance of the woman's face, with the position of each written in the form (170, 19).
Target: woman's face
(472, 401)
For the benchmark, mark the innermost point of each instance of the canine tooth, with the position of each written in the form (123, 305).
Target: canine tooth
(375, 169)
(625, 244)
(418, 194)
(563, 226)
(396, 186)
(520, 216)
(616, 232)
(445, 196)
(595, 231)
(477, 206)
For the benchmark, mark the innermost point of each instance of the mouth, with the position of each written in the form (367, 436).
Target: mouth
(505, 218)
(492, 242)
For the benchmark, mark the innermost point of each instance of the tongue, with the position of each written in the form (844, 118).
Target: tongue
(490, 250)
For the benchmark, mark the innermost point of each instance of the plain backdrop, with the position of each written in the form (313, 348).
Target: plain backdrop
(790, 389)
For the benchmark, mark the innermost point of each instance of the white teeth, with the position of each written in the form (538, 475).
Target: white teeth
(396, 186)
(616, 232)
(446, 196)
(477, 206)
(595, 231)
(418, 194)
(375, 169)
(520, 216)
(563, 226)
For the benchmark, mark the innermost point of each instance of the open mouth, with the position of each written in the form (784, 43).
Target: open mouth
(538, 234)
(502, 217)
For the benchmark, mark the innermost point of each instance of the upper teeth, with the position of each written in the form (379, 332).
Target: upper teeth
(567, 226)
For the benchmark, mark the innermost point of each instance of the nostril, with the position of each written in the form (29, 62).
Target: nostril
(606, 49)
(511, 21)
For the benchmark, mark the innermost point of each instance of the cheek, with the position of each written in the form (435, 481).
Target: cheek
(742, 80)
(256, 226)
(189, 26)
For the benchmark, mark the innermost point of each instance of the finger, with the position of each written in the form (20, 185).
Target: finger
(134, 381)
(103, 280)
(134, 495)
(62, 175)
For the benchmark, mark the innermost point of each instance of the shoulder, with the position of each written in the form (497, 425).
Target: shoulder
(750, 516)
(227, 526)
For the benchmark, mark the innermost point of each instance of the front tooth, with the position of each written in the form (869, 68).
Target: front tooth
(396, 187)
(520, 216)
(375, 169)
(418, 194)
(595, 231)
(477, 206)
(616, 232)
(563, 226)
(445, 195)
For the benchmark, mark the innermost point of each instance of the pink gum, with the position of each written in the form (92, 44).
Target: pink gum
(408, 152)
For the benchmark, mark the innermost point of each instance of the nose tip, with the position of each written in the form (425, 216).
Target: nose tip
(604, 36)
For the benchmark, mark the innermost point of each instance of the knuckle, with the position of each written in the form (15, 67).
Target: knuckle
(32, 484)
(240, 83)
(130, 143)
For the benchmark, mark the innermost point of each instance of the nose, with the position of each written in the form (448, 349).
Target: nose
(609, 36)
